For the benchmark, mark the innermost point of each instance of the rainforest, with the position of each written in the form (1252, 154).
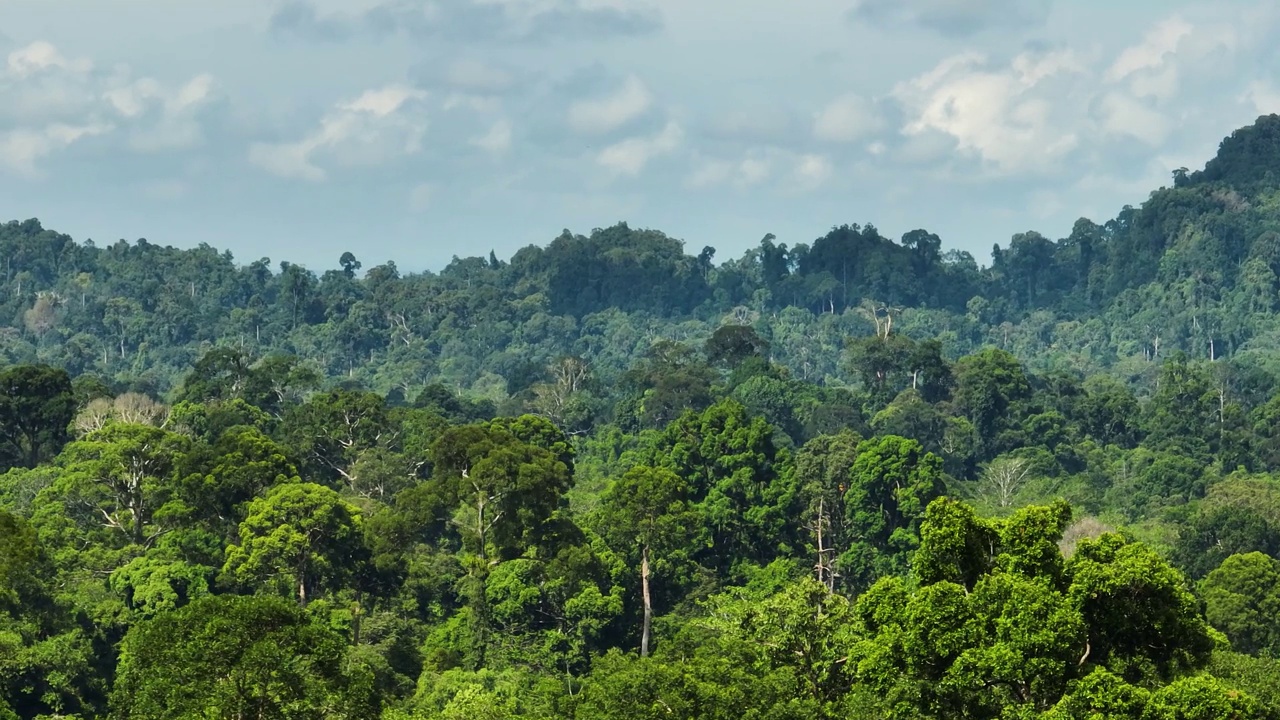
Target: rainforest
(616, 476)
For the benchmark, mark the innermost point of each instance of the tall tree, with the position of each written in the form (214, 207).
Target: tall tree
(648, 509)
(37, 405)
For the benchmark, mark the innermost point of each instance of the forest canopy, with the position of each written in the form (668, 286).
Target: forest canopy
(607, 478)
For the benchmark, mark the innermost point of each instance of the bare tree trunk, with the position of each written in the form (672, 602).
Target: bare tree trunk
(648, 604)
(480, 528)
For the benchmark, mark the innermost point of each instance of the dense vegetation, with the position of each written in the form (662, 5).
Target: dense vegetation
(609, 479)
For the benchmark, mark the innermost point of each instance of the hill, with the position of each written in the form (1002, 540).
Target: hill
(608, 478)
(1194, 268)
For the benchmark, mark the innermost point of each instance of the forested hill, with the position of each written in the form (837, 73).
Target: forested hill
(608, 478)
(1194, 268)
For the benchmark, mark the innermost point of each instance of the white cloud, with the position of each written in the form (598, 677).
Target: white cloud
(49, 102)
(1127, 116)
(812, 171)
(378, 126)
(759, 166)
(1155, 67)
(604, 114)
(20, 149)
(497, 140)
(1160, 42)
(846, 119)
(630, 156)
(1013, 118)
(41, 56)
(755, 168)
(176, 113)
(1263, 96)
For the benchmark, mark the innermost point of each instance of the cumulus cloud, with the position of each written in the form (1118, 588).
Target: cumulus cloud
(599, 115)
(630, 156)
(754, 168)
(1154, 50)
(783, 169)
(812, 171)
(50, 101)
(376, 127)
(847, 119)
(20, 149)
(1004, 116)
(471, 20)
(1056, 112)
(174, 114)
(40, 56)
(1130, 117)
(497, 141)
(952, 17)
(1263, 96)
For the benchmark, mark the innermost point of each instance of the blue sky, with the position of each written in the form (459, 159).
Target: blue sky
(416, 130)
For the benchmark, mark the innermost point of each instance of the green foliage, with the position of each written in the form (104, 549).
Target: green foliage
(1242, 599)
(300, 538)
(236, 657)
(892, 481)
(36, 407)
(801, 473)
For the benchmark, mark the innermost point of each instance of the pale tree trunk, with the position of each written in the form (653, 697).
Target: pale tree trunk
(648, 604)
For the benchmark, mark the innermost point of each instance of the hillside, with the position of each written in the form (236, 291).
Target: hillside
(1193, 269)
(608, 478)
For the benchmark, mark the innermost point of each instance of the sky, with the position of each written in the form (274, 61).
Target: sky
(414, 131)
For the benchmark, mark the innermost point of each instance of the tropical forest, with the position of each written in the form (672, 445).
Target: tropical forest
(618, 476)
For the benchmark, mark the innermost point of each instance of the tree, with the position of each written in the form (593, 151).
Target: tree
(349, 264)
(730, 345)
(37, 405)
(220, 480)
(1000, 625)
(1003, 477)
(126, 475)
(237, 657)
(823, 469)
(647, 508)
(1242, 599)
(509, 488)
(301, 536)
(331, 429)
(739, 481)
(892, 482)
(46, 657)
(991, 388)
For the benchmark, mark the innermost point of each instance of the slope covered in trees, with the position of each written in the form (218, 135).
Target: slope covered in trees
(610, 479)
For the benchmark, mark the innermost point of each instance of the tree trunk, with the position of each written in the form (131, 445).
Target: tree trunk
(480, 528)
(302, 590)
(648, 605)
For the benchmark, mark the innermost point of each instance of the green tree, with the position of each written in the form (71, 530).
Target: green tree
(299, 537)
(126, 476)
(507, 490)
(1242, 599)
(648, 509)
(47, 659)
(237, 657)
(892, 481)
(37, 405)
